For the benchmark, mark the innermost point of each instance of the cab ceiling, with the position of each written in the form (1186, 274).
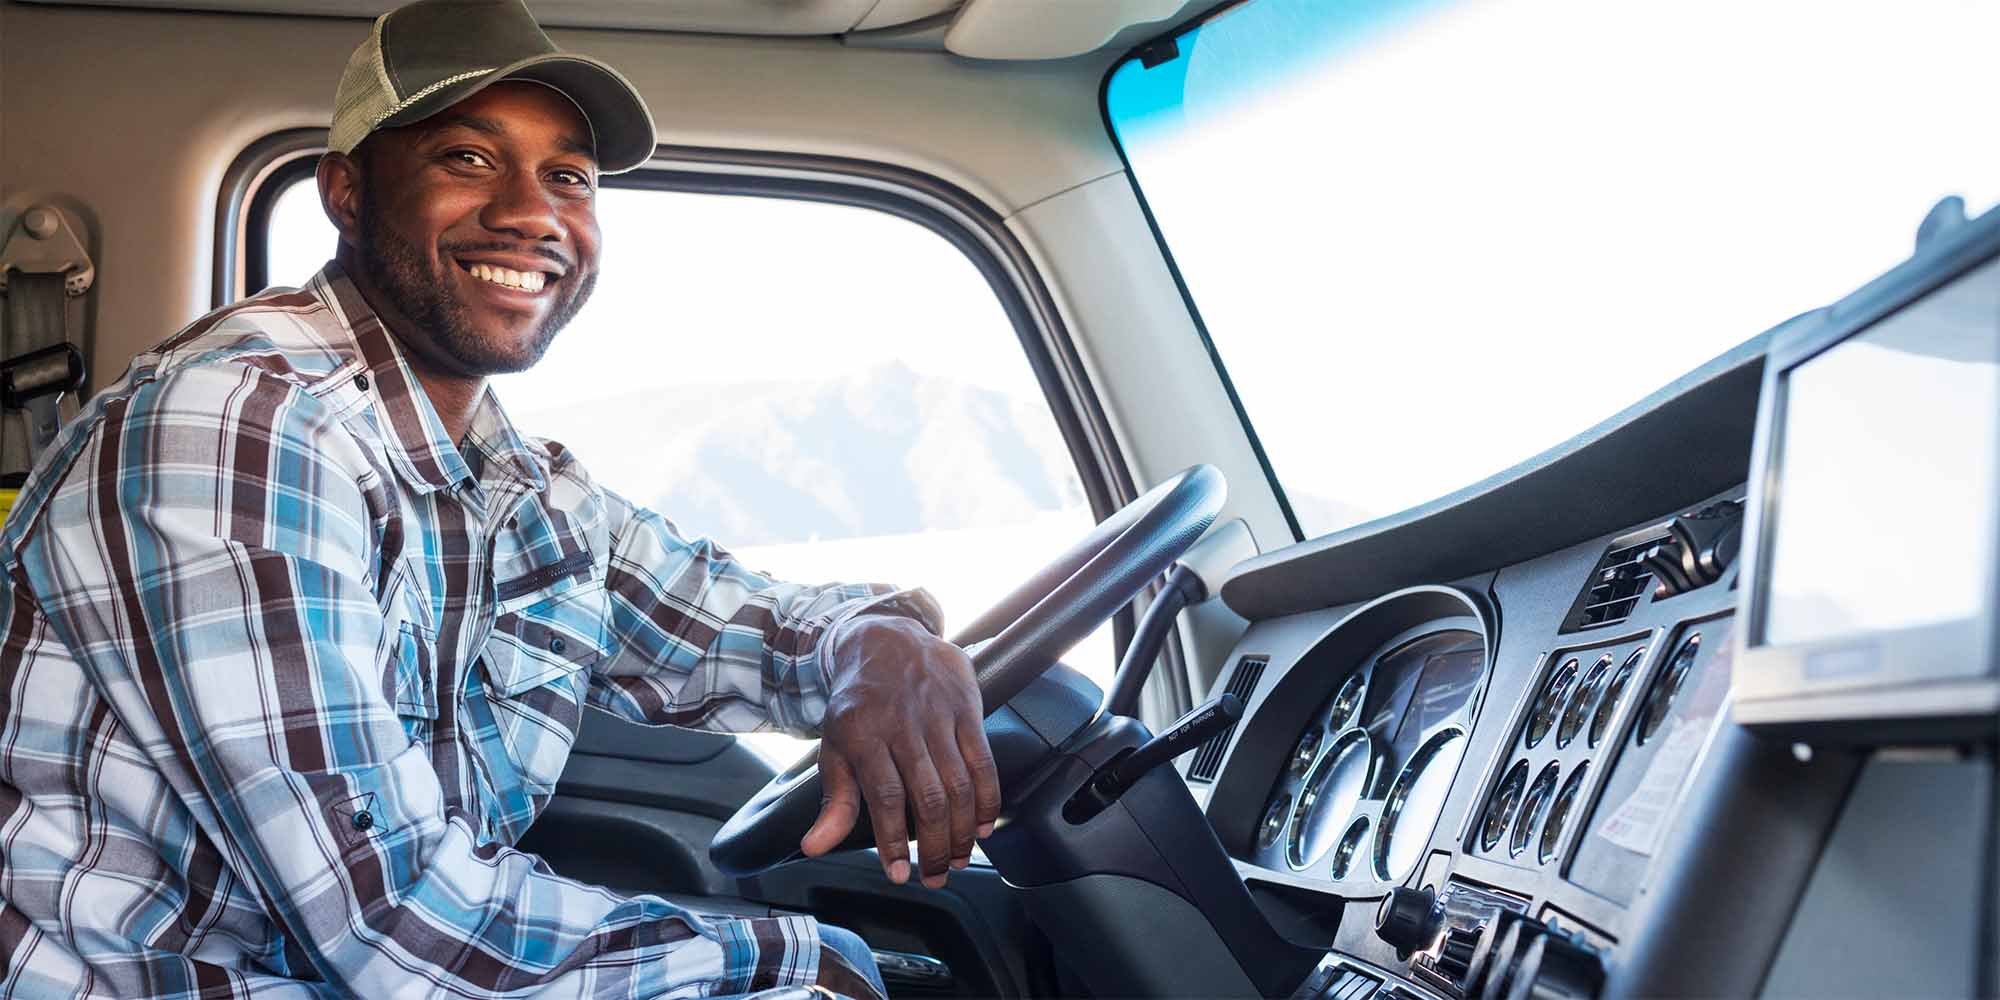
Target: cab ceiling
(982, 29)
(736, 17)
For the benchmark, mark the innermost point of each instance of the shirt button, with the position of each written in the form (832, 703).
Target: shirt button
(361, 382)
(363, 821)
(556, 644)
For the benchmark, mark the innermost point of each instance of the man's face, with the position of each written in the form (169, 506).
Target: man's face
(479, 226)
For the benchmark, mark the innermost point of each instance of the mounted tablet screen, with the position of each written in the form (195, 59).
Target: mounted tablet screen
(1887, 460)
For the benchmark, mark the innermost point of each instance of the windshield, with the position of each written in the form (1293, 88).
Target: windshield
(1431, 239)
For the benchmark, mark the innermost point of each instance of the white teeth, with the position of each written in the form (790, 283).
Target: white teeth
(527, 281)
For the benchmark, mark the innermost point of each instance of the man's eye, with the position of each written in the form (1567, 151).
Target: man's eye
(571, 178)
(467, 157)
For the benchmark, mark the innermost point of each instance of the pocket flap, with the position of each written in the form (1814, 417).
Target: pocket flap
(548, 639)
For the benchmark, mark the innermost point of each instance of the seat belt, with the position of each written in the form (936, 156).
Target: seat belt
(42, 266)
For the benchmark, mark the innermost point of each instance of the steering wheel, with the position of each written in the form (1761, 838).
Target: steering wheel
(1010, 646)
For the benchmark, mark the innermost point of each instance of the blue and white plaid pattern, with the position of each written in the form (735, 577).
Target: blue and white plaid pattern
(285, 672)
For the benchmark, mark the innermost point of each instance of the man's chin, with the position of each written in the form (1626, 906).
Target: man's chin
(497, 354)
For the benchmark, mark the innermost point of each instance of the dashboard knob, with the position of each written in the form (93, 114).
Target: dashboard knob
(1408, 919)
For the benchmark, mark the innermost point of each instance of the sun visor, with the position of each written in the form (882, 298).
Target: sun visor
(1049, 29)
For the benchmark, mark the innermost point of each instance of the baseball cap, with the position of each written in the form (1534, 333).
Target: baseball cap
(427, 56)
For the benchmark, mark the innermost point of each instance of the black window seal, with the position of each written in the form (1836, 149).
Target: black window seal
(250, 186)
(257, 177)
(1150, 53)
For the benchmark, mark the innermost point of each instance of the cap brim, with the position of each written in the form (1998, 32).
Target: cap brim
(620, 125)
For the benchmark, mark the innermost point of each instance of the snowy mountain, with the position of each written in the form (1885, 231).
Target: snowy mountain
(886, 451)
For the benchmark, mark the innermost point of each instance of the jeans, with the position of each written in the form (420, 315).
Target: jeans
(855, 951)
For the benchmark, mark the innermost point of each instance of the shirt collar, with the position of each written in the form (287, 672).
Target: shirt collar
(506, 451)
(423, 450)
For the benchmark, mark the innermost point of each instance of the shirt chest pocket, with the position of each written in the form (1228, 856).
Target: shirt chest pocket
(541, 637)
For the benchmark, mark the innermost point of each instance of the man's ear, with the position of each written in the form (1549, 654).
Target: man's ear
(340, 179)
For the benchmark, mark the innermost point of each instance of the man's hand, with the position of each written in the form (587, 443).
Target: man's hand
(904, 724)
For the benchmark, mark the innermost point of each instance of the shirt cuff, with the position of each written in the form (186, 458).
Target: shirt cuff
(767, 952)
(914, 603)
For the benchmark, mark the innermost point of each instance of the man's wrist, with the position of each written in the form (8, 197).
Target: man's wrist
(847, 633)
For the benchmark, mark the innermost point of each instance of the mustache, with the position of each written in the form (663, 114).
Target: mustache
(502, 246)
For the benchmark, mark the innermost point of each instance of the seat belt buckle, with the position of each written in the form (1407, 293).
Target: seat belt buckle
(36, 382)
(50, 371)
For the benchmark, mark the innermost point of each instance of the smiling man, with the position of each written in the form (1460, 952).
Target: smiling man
(300, 630)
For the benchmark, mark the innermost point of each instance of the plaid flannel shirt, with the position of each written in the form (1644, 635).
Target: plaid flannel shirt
(285, 672)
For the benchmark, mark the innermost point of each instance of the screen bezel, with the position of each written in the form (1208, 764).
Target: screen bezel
(1931, 664)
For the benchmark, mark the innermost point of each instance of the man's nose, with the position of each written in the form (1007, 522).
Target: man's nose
(522, 207)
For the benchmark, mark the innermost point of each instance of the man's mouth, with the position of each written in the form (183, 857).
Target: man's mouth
(506, 277)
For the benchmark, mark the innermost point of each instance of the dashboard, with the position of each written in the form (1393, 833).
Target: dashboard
(1506, 744)
(1515, 742)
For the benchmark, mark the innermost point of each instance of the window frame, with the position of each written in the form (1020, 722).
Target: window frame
(254, 180)
(1151, 51)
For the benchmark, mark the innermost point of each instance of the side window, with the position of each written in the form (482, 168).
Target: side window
(830, 392)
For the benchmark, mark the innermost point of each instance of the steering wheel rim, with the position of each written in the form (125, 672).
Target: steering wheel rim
(1011, 645)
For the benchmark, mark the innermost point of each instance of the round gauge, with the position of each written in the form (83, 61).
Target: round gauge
(1350, 846)
(1532, 809)
(1666, 686)
(1608, 705)
(1302, 755)
(1550, 704)
(1500, 811)
(1328, 800)
(1411, 810)
(1559, 813)
(1345, 702)
(1274, 821)
(1582, 701)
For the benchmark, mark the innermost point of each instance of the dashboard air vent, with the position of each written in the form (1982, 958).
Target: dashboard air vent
(1615, 586)
(1249, 670)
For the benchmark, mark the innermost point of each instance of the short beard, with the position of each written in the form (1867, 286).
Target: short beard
(404, 275)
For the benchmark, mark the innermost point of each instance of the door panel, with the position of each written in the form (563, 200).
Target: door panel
(636, 808)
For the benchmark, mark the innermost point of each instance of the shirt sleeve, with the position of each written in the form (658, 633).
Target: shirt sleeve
(698, 640)
(208, 557)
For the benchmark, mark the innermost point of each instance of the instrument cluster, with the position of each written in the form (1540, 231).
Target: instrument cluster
(1359, 794)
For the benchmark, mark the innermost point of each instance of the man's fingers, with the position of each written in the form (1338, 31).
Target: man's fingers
(950, 763)
(931, 805)
(882, 786)
(839, 806)
(978, 757)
